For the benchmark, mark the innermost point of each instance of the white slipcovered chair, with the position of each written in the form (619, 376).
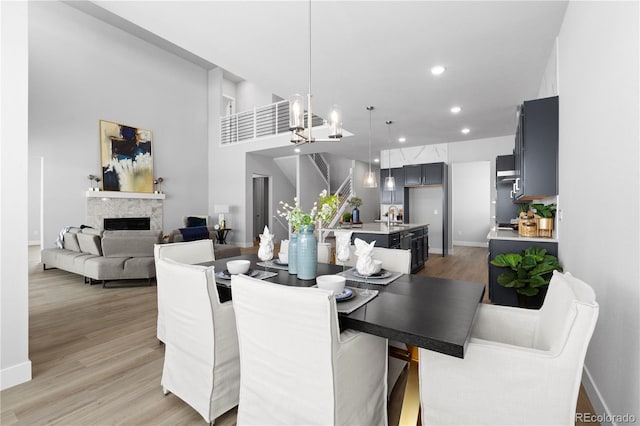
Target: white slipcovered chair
(201, 360)
(395, 261)
(521, 367)
(191, 252)
(297, 368)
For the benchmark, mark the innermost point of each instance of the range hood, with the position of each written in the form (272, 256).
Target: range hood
(506, 175)
(505, 168)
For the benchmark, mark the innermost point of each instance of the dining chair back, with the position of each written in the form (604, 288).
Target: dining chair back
(297, 368)
(201, 360)
(515, 355)
(190, 252)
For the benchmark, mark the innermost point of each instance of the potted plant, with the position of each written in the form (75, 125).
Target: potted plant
(530, 272)
(355, 213)
(546, 214)
(346, 217)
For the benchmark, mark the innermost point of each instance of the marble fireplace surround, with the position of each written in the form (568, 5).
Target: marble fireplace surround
(113, 204)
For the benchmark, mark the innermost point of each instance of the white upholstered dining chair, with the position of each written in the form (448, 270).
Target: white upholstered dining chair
(393, 260)
(297, 368)
(521, 367)
(190, 252)
(201, 359)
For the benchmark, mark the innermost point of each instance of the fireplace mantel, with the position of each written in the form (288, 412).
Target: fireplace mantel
(118, 194)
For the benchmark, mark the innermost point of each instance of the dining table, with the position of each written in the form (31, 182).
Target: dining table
(421, 311)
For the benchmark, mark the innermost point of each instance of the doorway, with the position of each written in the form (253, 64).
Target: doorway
(260, 205)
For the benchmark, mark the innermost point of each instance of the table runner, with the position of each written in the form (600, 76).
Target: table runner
(348, 274)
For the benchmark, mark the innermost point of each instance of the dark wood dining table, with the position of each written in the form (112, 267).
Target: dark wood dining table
(421, 311)
(427, 312)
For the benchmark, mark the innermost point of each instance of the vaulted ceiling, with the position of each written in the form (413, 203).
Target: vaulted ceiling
(368, 53)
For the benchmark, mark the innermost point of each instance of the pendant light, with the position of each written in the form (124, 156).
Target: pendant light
(370, 179)
(389, 181)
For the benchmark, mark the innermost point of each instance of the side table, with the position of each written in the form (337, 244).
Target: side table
(221, 235)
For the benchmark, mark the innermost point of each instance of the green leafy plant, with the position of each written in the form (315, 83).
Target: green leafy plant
(322, 211)
(545, 210)
(346, 217)
(529, 271)
(355, 201)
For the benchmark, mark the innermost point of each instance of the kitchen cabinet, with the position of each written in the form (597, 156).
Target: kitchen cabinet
(423, 174)
(396, 196)
(536, 150)
(498, 294)
(416, 239)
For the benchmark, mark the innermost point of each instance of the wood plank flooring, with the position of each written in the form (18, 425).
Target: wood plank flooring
(96, 360)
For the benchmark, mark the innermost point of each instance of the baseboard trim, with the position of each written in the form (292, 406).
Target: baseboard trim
(15, 375)
(597, 401)
(471, 244)
(34, 243)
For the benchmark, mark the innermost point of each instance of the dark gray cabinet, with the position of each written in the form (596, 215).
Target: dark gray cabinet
(396, 196)
(536, 150)
(507, 296)
(416, 239)
(423, 174)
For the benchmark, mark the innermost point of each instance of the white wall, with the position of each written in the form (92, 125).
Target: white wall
(281, 190)
(15, 366)
(250, 95)
(310, 183)
(600, 187)
(471, 202)
(108, 74)
(35, 194)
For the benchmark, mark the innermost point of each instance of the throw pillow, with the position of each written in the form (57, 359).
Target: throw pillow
(194, 233)
(196, 221)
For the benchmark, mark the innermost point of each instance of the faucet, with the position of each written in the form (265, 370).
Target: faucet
(391, 208)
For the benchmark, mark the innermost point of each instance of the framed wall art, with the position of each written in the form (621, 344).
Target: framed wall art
(126, 158)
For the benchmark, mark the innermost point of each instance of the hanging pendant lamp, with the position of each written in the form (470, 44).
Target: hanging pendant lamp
(370, 179)
(389, 181)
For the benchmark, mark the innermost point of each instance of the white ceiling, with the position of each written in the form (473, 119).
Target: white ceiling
(368, 53)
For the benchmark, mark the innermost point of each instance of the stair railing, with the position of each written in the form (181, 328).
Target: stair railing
(322, 166)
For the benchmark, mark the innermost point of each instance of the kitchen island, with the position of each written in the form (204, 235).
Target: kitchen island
(507, 241)
(406, 236)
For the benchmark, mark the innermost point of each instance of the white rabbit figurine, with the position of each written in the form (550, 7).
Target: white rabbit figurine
(265, 252)
(365, 264)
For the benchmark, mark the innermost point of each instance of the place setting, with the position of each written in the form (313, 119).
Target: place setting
(368, 269)
(236, 267)
(348, 298)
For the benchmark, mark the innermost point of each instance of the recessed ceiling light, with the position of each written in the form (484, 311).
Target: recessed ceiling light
(465, 130)
(297, 150)
(456, 109)
(376, 160)
(402, 139)
(437, 70)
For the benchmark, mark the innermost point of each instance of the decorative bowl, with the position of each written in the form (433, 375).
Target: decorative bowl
(238, 266)
(331, 282)
(284, 257)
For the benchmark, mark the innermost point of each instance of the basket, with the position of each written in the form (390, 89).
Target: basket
(528, 228)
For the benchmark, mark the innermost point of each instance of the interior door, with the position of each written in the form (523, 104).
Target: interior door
(260, 205)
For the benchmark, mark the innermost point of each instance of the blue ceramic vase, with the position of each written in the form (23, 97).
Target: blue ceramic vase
(307, 256)
(293, 253)
(355, 215)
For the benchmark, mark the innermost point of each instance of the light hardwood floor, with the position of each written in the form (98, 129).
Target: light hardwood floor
(96, 359)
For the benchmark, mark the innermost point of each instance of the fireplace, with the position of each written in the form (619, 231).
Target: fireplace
(102, 205)
(127, 223)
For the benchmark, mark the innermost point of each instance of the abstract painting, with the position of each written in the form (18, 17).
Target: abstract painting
(125, 153)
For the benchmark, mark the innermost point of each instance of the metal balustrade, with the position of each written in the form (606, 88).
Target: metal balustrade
(267, 120)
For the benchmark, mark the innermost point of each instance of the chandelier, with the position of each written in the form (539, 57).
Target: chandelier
(301, 134)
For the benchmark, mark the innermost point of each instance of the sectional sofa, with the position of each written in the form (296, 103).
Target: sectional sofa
(111, 255)
(105, 256)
